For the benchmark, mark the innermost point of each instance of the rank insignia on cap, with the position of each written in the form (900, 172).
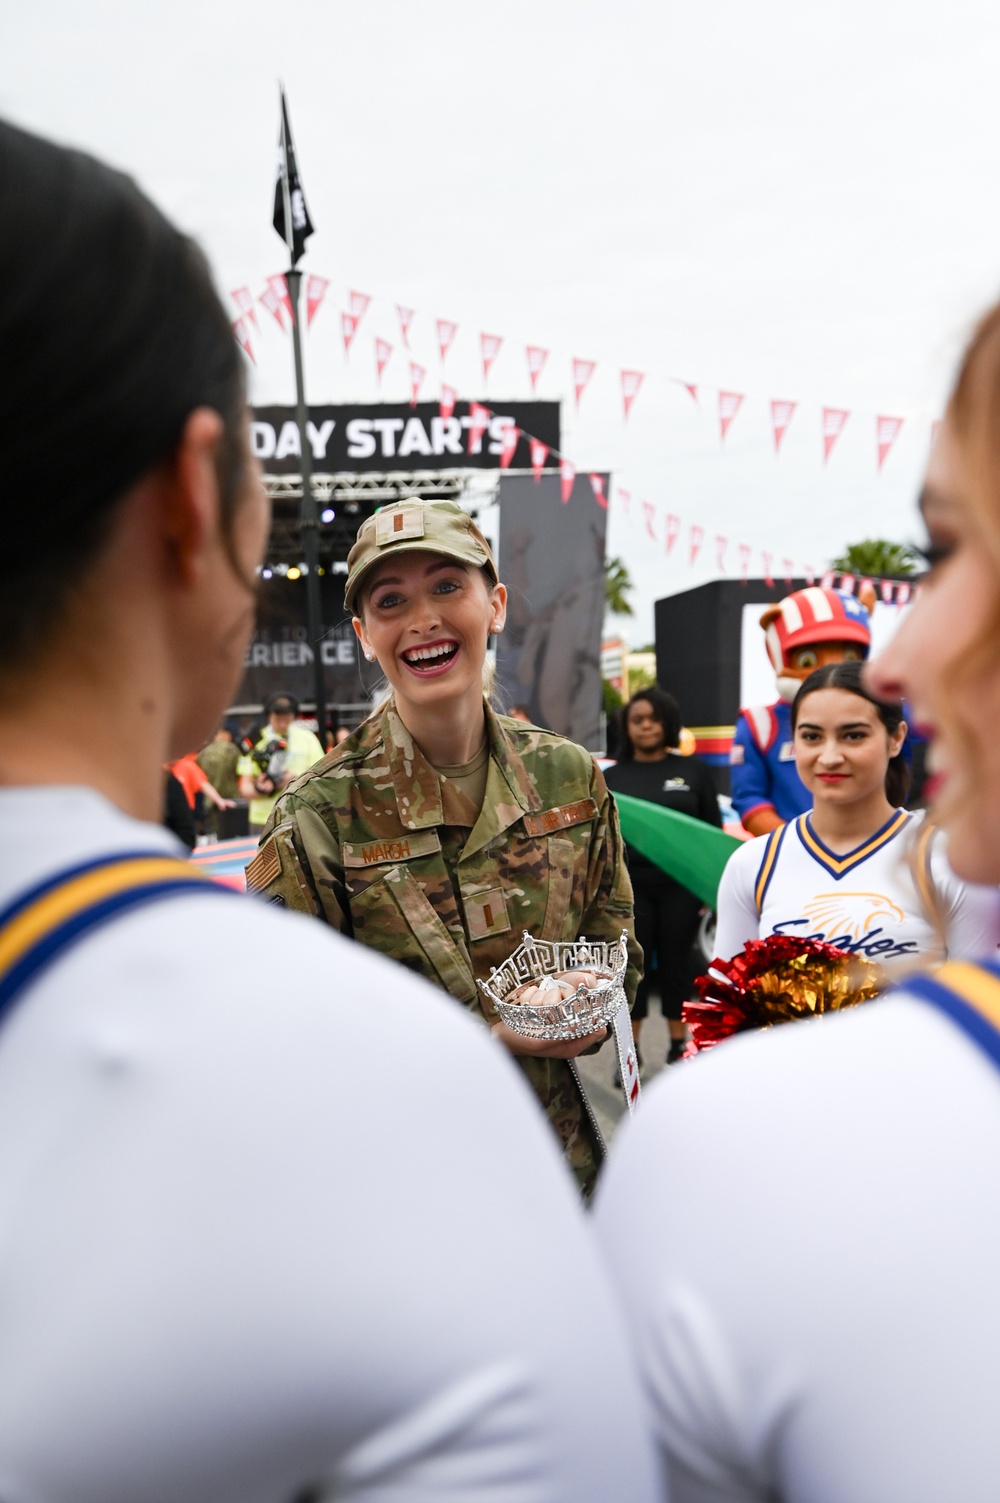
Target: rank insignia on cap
(398, 522)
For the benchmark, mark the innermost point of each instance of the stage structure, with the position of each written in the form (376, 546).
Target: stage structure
(364, 457)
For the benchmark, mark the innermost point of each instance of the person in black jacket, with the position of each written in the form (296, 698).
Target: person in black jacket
(666, 914)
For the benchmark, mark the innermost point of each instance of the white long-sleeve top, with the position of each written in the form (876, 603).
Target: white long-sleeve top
(275, 1216)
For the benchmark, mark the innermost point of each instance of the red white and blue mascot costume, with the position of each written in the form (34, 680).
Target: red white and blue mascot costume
(806, 630)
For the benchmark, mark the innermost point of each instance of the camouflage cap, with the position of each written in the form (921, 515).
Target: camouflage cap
(413, 526)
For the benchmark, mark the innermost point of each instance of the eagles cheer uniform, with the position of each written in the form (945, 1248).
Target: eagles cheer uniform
(872, 901)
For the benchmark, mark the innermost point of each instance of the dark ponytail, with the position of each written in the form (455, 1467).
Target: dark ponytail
(849, 676)
(111, 334)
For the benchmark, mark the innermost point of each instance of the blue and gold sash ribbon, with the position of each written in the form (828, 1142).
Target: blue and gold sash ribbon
(969, 995)
(43, 922)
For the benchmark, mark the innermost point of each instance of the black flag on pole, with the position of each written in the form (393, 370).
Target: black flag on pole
(291, 216)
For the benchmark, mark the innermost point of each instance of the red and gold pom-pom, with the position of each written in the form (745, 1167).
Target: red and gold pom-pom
(776, 980)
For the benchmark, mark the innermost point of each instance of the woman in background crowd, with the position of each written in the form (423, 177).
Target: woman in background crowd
(666, 914)
(812, 1283)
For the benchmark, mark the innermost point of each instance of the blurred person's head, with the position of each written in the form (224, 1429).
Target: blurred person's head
(945, 657)
(129, 577)
(650, 724)
(282, 709)
(520, 712)
(224, 735)
(341, 734)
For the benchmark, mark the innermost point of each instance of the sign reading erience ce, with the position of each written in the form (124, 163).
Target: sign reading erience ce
(386, 436)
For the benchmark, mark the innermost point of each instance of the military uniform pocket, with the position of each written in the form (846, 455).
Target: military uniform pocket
(394, 916)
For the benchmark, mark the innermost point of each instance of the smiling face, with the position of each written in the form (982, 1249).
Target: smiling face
(842, 749)
(427, 619)
(944, 658)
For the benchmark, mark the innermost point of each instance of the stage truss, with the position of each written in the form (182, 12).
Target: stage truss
(353, 497)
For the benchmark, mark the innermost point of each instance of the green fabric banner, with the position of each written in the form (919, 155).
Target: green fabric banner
(687, 849)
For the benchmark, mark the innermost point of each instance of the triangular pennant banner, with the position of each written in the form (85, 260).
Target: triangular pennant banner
(826, 580)
(272, 302)
(672, 533)
(383, 349)
(536, 363)
(834, 419)
(846, 584)
(417, 374)
(348, 327)
(597, 486)
(649, 512)
(696, 537)
(567, 478)
(479, 420)
(810, 574)
(691, 389)
(744, 551)
(243, 298)
(729, 405)
(315, 293)
(768, 559)
(405, 316)
(886, 589)
(358, 304)
(446, 332)
(721, 544)
(241, 333)
(781, 415)
(539, 454)
(902, 592)
(279, 287)
(509, 436)
(886, 434)
(625, 497)
(787, 565)
(490, 344)
(582, 372)
(631, 381)
(449, 396)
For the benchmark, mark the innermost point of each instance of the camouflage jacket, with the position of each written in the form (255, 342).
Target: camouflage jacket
(372, 840)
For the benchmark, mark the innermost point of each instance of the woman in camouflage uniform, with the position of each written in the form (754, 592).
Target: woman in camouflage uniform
(440, 830)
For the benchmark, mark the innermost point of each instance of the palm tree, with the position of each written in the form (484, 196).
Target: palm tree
(617, 588)
(879, 557)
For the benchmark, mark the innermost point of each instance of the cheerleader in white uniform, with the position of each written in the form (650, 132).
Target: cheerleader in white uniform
(858, 871)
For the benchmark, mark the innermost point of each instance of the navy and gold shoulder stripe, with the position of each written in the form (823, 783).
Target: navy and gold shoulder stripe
(839, 866)
(42, 923)
(768, 863)
(968, 994)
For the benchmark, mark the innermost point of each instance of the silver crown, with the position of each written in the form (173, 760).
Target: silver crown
(587, 1010)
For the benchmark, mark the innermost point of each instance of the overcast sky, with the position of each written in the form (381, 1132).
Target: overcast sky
(776, 198)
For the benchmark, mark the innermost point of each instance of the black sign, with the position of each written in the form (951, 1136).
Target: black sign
(279, 659)
(385, 437)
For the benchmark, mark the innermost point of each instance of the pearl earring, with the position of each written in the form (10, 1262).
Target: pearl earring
(370, 656)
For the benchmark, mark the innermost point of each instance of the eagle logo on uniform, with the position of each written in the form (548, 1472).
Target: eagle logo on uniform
(851, 914)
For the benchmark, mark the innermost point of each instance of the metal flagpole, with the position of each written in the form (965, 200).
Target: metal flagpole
(308, 514)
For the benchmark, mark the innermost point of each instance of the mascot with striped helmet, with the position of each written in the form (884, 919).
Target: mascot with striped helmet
(804, 631)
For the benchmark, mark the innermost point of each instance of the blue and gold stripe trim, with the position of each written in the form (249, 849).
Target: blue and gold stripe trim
(839, 866)
(43, 922)
(768, 864)
(969, 995)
